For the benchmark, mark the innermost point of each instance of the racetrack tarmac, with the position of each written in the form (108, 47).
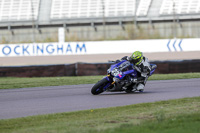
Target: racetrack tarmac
(45, 100)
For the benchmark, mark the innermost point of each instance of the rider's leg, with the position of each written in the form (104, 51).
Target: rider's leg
(142, 83)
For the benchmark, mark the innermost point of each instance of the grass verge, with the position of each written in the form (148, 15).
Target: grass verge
(178, 116)
(12, 82)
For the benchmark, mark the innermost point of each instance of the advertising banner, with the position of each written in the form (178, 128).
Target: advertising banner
(99, 47)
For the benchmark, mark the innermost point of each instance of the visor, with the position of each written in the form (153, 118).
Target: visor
(134, 61)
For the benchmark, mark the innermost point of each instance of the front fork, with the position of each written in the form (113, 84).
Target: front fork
(111, 82)
(109, 79)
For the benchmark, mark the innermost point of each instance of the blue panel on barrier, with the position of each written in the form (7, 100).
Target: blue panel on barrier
(180, 45)
(174, 45)
(168, 45)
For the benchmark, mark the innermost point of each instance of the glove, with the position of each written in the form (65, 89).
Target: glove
(147, 69)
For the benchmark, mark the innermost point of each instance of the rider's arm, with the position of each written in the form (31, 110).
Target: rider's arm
(146, 68)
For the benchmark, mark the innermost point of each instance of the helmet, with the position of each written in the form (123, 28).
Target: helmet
(136, 57)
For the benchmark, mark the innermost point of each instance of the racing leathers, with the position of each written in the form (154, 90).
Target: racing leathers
(143, 71)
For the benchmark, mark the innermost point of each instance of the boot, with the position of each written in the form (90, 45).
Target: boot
(140, 87)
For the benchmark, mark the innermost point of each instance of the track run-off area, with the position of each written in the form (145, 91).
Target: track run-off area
(24, 102)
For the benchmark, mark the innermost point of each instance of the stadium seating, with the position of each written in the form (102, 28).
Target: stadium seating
(48, 12)
(169, 7)
(143, 7)
(18, 10)
(94, 8)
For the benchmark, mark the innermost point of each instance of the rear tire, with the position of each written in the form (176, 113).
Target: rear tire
(98, 87)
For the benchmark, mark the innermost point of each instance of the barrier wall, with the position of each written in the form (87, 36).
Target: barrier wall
(38, 71)
(85, 69)
(99, 47)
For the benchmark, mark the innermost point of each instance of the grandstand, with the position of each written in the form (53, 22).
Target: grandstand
(18, 10)
(23, 14)
(69, 9)
(184, 7)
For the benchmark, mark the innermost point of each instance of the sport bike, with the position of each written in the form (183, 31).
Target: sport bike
(120, 77)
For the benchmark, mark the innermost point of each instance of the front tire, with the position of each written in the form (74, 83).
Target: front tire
(98, 87)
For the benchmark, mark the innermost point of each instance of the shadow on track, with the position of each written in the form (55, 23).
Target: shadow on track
(124, 93)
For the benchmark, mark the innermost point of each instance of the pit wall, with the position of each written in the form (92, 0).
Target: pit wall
(86, 69)
(99, 47)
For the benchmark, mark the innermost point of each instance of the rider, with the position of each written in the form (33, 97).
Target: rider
(141, 64)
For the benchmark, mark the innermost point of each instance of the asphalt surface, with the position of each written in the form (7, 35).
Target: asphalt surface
(45, 100)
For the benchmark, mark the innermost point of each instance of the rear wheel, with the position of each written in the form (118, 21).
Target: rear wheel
(98, 87)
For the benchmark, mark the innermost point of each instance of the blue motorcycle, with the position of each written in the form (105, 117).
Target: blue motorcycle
(120, 78)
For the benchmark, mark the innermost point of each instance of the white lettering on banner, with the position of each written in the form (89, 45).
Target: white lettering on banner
(99, 47)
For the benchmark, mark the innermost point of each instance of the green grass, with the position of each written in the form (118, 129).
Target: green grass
(12, 82)
(183, 123)
(173, 116)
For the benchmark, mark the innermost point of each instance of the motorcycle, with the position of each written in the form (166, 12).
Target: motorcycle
(121, 77)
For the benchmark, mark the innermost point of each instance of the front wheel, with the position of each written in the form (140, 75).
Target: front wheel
(98, 87)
